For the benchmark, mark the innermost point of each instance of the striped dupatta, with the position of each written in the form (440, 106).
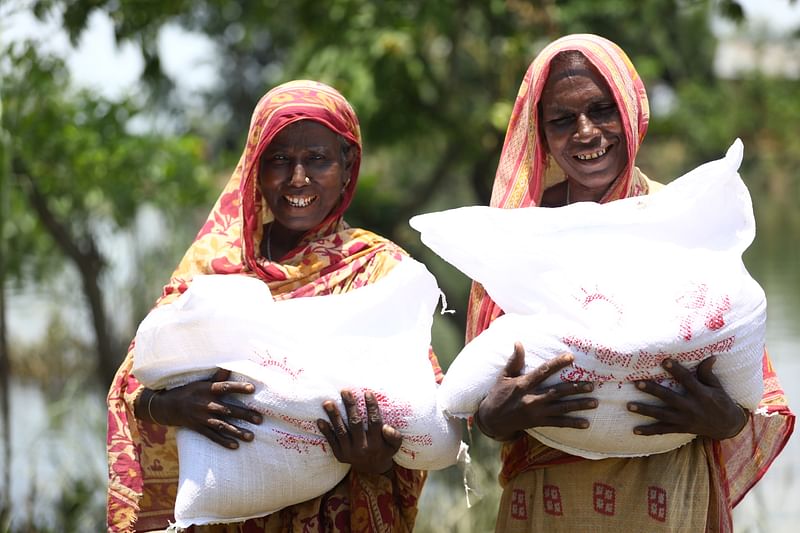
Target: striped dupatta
(525, 170)
(331, 258)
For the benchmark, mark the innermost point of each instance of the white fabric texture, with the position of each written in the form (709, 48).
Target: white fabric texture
(298, 353)
(621, 286)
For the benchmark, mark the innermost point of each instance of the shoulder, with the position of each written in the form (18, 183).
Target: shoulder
(651, 185)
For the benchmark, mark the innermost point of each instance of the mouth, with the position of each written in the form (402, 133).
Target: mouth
(591, 156)
(300, 201)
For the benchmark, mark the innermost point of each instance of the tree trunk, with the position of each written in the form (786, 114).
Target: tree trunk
(83, 252)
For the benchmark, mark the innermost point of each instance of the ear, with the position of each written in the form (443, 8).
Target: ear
(349, 157)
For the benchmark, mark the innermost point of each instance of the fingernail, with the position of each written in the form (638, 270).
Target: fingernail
(233, 445)
(248, 436)
(667, 363)
(320, 424)
(584, 424)
(637, 431)
(640, 385)
(632, 407)
(589, 387)
(593, 403)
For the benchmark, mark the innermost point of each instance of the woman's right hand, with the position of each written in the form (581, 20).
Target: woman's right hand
(517, 402)
(200, 406)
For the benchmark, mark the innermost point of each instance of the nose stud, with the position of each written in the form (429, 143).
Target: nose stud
(308, 180)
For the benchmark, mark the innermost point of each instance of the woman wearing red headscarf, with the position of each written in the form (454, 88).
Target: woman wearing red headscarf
(279, 219)
(579, 118)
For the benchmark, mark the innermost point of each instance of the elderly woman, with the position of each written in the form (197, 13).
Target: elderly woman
(279, 219)
(579, 118)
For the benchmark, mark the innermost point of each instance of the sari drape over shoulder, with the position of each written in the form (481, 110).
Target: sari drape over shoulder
(525, 170)
(331, 258)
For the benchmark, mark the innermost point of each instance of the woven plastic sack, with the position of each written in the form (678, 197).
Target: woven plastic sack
(621, 286)
(298, 353)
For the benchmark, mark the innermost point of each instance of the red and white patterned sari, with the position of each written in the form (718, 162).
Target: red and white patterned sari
(734, 465)
(330, 259)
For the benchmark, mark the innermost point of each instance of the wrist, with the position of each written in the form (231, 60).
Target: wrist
(150, 407)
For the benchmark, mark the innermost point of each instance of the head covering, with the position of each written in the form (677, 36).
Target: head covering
(526, 169)
(521, 173)
(228, 242)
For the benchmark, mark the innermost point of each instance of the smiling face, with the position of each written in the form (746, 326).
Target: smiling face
(304, 148)
(582, 127)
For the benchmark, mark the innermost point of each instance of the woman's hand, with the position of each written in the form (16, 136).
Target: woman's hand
(368, 451)
(517, 402)
(199, 406)
(704, 408)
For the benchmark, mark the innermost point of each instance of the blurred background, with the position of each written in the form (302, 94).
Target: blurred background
(122, 119)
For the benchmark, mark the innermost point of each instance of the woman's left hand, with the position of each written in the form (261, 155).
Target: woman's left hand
(368, 451)
(704, 408)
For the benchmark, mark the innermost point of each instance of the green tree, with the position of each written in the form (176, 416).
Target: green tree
(75, 167)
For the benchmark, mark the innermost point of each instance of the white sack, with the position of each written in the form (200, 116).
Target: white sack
(621, 286)
(298, 353)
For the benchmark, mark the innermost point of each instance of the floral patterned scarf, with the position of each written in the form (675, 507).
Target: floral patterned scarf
(525, 170)
(331, 258)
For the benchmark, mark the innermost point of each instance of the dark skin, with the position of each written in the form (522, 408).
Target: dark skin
(369, 450)
(577, 123)
(519, 401)
(302, 149)
(704, 408)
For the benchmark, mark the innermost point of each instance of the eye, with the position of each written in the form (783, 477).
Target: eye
(561, 121)
(603, 111)
(277, 158)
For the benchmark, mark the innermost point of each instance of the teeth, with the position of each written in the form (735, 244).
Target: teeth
(299, 201)
(593, 155)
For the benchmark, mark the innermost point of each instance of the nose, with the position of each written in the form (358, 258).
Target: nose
(298, 178)
(586, 129)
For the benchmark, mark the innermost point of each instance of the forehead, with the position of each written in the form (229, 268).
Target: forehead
(573, 82)
(305, 133)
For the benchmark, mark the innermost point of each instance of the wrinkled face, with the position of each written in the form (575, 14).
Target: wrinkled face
(582, 126)
(304, 148)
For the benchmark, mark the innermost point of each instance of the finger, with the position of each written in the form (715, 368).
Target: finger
(233, 411)
(516, 362)
(392, 437)
(562, 390)
(705, 373)
(567, 406)
(564, 422)
(548, 368)
(682, 375)
(660, 413)
(225, 428)
(355, 425)
(337, 424)
(232, 387)
(665, 394)
(216, 437)
(660, 428)
(374, 417)
(327, 431)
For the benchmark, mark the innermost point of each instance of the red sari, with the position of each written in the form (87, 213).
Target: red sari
(330, 259)
(525, 170)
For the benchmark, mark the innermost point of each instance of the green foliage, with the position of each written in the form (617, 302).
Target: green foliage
(77, 150)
